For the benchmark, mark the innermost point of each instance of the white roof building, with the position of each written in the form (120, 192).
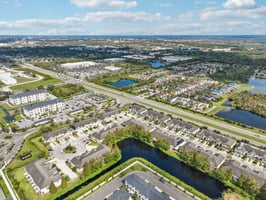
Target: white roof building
(78, 64)
(6, 78)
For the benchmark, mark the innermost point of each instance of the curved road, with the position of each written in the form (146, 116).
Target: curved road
(125, 98)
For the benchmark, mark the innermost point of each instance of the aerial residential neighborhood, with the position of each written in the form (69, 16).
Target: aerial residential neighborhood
(132, 100)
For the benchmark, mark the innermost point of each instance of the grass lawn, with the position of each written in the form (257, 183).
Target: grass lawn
(8, 107)
(22, 79)
(36, 84)
(4, 187)
(29, 193)
(24, 185)
(39, 145)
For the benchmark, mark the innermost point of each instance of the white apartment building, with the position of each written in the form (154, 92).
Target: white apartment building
(28, 97)
(40, 174)
(42, 108)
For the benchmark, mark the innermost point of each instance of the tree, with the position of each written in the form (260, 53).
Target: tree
(63, 182)
(241, 181)
(86, 169)
(251, 185)
(162, 143)
(52, 188)
(262, 193)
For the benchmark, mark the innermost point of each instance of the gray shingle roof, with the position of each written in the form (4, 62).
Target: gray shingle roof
(225, 141)
(157, 133)
(83, 123)
(42, 104)
(100, 135)
(79, 161)
(47, 136)
(144, 188)
(120, 194)
(42, 173)
(25, 94)
(239, 169)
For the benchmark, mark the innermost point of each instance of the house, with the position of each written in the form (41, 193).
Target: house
(182, 126)
(239, 168)
(226, 143)
(41, 108)
(40, 174)
(172, 139)
(215, 159)
(120, 194)
(137, 123)
(79, 161)
(156, 117)
(137, 109)
(251, 152)
(84, 124)
(109, 115)
(100, 135)
(28, 97)
(143, 189)
(52, 136)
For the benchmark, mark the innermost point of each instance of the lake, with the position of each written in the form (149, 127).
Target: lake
(123, 83)
(259, 85)
(157, 64)
(131, 148)
(243, 117)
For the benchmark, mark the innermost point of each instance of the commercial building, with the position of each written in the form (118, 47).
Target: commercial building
(6, 78)
(42, 108)
(40, 174)
(78, 65)
(28, 97)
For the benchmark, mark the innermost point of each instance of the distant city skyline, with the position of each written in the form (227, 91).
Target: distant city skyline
(132, 17)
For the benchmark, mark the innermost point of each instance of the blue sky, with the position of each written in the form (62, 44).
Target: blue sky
(132, 17)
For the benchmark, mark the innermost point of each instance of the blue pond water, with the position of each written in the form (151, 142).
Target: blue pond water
(123, 83)
(259, 85)
(157, 64)
(243, 117)
(131, 148)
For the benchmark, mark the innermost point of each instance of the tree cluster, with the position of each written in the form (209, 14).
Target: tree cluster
(95, 164)
(133, 131)
(195, 159)
(248, 184)
(162, 144)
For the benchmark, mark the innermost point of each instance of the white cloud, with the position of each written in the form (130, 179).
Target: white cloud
(240, 4)
(16, 3)
(81, 24)
(212, 14)
(124, 17)
(163, 4)
(104, 3)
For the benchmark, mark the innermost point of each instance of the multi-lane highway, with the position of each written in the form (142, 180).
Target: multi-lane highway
(225, 128)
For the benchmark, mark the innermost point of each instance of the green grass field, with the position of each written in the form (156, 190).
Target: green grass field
(36, 84)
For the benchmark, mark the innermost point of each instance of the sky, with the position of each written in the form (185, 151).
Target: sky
(132, 17)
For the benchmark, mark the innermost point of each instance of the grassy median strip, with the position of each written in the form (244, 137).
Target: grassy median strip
(4, 187)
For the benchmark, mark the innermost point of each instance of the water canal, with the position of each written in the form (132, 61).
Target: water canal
(131, 148)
